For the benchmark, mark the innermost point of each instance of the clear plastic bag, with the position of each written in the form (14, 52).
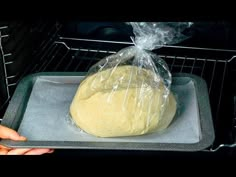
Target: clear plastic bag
(128, 93)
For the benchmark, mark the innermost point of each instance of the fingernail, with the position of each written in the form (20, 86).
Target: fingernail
(23, 138)
(51, 151)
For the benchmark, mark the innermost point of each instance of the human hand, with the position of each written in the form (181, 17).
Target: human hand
(7, 133)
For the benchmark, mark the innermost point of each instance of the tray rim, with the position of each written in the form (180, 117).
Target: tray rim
(24, 88)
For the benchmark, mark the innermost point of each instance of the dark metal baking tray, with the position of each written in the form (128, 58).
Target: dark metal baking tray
(53, 137)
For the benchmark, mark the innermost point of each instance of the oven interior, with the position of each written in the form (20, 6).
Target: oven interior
(66, 46)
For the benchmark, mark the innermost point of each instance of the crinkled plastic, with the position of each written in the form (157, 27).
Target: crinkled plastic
(128, 93)
(154, 35)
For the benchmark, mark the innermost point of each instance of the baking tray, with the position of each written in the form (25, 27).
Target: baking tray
(39, 110)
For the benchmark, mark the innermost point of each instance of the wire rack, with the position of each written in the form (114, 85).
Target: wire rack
(14, 53)
(72, 54)
(3, 58)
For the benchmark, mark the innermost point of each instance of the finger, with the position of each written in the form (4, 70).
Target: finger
(38, 151)
(51, 151)
(7, 133)
(3, 151)
(18, 151)
(4, 147)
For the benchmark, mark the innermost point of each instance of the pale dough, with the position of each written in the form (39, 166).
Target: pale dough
(122, 101)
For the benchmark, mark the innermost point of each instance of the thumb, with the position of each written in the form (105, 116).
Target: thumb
(7, 133)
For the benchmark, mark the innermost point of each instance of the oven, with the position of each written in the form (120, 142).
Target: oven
(73, 46)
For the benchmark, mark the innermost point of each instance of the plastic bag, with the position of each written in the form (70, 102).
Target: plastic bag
(128, 93)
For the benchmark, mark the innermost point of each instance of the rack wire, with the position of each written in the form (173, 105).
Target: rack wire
(72, 54)
(4, 64)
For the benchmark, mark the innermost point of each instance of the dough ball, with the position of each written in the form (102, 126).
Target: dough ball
(122, 101)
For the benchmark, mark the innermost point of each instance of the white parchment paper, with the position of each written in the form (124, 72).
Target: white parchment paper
(47, 115)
